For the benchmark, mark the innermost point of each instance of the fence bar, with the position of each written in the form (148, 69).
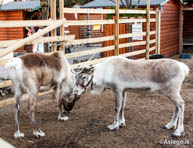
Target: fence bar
(61, 4)
(53, 17)
(157, 29)
(8, 24)
(66, 38)
(25, 97)
(104, 11)
(148, 30)
(117, 29)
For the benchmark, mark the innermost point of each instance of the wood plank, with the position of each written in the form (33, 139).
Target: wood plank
(61, 8)
(67, 39)
(103, 11)
(53, 17)
(88, 22)
(132, 44)
(157, 30)
(125, 11)
(88, 52)
(117, 28)
(148, 30)
(134, 53)
(5, 83)
(91, 11)
(96, 61)
(31, 38)
(25, 97)
(7, 24)
(132, 20)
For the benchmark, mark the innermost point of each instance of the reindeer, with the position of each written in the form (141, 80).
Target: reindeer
(31, 71)
(121, 75)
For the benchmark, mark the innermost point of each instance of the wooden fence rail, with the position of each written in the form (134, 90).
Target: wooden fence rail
(104, 11)
(7, 24)
(69, 40)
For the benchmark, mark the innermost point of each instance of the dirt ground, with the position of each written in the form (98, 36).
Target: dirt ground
(145, 115)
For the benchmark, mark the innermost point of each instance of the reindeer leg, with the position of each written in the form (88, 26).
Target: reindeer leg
(178, 115)
(61, 116)
(180, 105)
(18, 96)
(31, 107)
(122, 116)
(118, 104)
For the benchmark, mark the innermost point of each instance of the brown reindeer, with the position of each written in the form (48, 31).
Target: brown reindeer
(31, 71)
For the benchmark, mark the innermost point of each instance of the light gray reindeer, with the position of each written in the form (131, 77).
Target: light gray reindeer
(121, 74)
(31, 71)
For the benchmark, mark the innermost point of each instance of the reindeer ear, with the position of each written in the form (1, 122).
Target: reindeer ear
(89, 69)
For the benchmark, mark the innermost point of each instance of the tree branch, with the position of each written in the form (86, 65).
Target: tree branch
(123, 4)
(112, 1)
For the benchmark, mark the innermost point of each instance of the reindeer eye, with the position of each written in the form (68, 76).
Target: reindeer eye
(84, 77)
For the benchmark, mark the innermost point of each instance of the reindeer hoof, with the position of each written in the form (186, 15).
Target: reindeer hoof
(38, 133)
(122, 124)
(177, 135)
(113, 127)
(18, 135)
(164, 127)
(64, 118)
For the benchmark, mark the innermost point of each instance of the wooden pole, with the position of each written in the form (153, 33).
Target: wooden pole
(157, 29)
(61, 4)
(53, 17)
(117, 28)
(31, 38)
(148, 30)
(181, 32)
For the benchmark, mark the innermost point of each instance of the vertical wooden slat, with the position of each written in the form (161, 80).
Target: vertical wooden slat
(157, 30)
(148, 30)
(61, 6)
(117, 28)
(113, 32)
(53, 17)
(181, 32)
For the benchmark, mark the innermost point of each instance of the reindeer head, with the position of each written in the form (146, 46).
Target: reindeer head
(83, 80)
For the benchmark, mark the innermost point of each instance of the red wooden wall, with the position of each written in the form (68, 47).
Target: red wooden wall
(109, 30)
(73, 30)
(12, 33)
(169, 40)
(81, 31)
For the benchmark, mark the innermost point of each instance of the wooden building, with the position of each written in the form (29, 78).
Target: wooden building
(168, 22)
(16, 11)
